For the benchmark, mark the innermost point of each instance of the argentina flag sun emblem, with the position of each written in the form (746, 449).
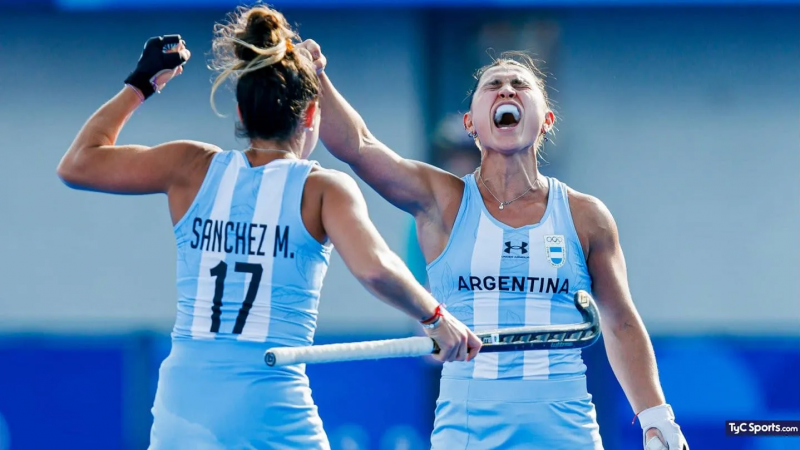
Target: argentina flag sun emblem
(555, 249)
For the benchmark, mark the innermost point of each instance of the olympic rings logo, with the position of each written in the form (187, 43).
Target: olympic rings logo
(554, 239)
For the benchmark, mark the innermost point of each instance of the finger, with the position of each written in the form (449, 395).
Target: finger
(303, 45)
(442, 352)
(313, 48)
(173, 60)
(452, 351)
(153, 42)
(457, 352)
(473, 353)
(475, 345)
(170, 39)
(457, 345)
(654, 443)
(675, 441)
(463, 348)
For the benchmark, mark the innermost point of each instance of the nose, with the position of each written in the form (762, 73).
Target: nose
(507, 91)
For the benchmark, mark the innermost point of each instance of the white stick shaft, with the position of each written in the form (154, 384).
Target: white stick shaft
(390, 348)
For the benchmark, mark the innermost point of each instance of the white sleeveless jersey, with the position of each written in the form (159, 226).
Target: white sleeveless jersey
(491, 276)
(247, 267)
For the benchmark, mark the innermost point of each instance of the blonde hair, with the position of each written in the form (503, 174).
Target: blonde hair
(235, 57)
(274, 82)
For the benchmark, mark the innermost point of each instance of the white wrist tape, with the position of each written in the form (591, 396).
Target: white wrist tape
(655, 416)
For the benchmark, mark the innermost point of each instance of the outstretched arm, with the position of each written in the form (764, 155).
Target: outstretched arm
(380, 270)
(627, 342)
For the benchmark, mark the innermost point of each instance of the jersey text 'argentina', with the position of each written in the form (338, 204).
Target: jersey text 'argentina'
(510, 283)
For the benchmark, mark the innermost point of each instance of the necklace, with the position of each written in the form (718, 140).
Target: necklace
(270, 150)
(502, 203)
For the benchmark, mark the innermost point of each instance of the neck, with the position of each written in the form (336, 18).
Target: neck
(509, 176)
(261, 151)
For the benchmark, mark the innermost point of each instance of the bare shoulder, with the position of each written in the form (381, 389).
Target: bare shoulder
(332, 187)
(326, 187)
(321, 179)
(188, 163)
(194, 150)
(188, 147)
(593, 220)
(191, 158)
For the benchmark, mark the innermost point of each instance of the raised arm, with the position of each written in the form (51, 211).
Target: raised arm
(94, 162)
(410, 185)
(368, 257)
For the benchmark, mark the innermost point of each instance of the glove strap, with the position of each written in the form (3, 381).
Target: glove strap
(136, 91)
(141, 82)
(653, 415)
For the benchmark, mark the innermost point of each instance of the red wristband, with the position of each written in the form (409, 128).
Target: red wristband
(436, 314)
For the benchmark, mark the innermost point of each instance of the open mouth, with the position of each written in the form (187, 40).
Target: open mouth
(506, 116)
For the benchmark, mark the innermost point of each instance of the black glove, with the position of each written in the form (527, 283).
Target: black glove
(154, 61)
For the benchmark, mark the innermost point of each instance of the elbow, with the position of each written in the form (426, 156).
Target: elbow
(350, 146)
(381, 273)
(355, 148)
(374, 277)
(64, 171)
(366, 139)
(625, 327)
(69, 170)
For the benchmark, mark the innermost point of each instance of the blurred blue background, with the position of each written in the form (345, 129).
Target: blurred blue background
(682, 116)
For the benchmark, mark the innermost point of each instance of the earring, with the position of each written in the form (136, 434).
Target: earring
(309, 128)
(472, 134)
(544, 135)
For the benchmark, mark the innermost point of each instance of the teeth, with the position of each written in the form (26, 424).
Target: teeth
(506, 109)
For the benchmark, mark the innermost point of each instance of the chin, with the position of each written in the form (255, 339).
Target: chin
(508, 145)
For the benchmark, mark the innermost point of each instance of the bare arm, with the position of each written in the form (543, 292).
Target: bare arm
(407, 184)
(94, 162)
(627, 343)
(364, 251)
(380, 270)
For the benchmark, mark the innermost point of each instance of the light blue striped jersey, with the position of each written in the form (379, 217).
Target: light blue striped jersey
(491, 275)
(247, 267)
